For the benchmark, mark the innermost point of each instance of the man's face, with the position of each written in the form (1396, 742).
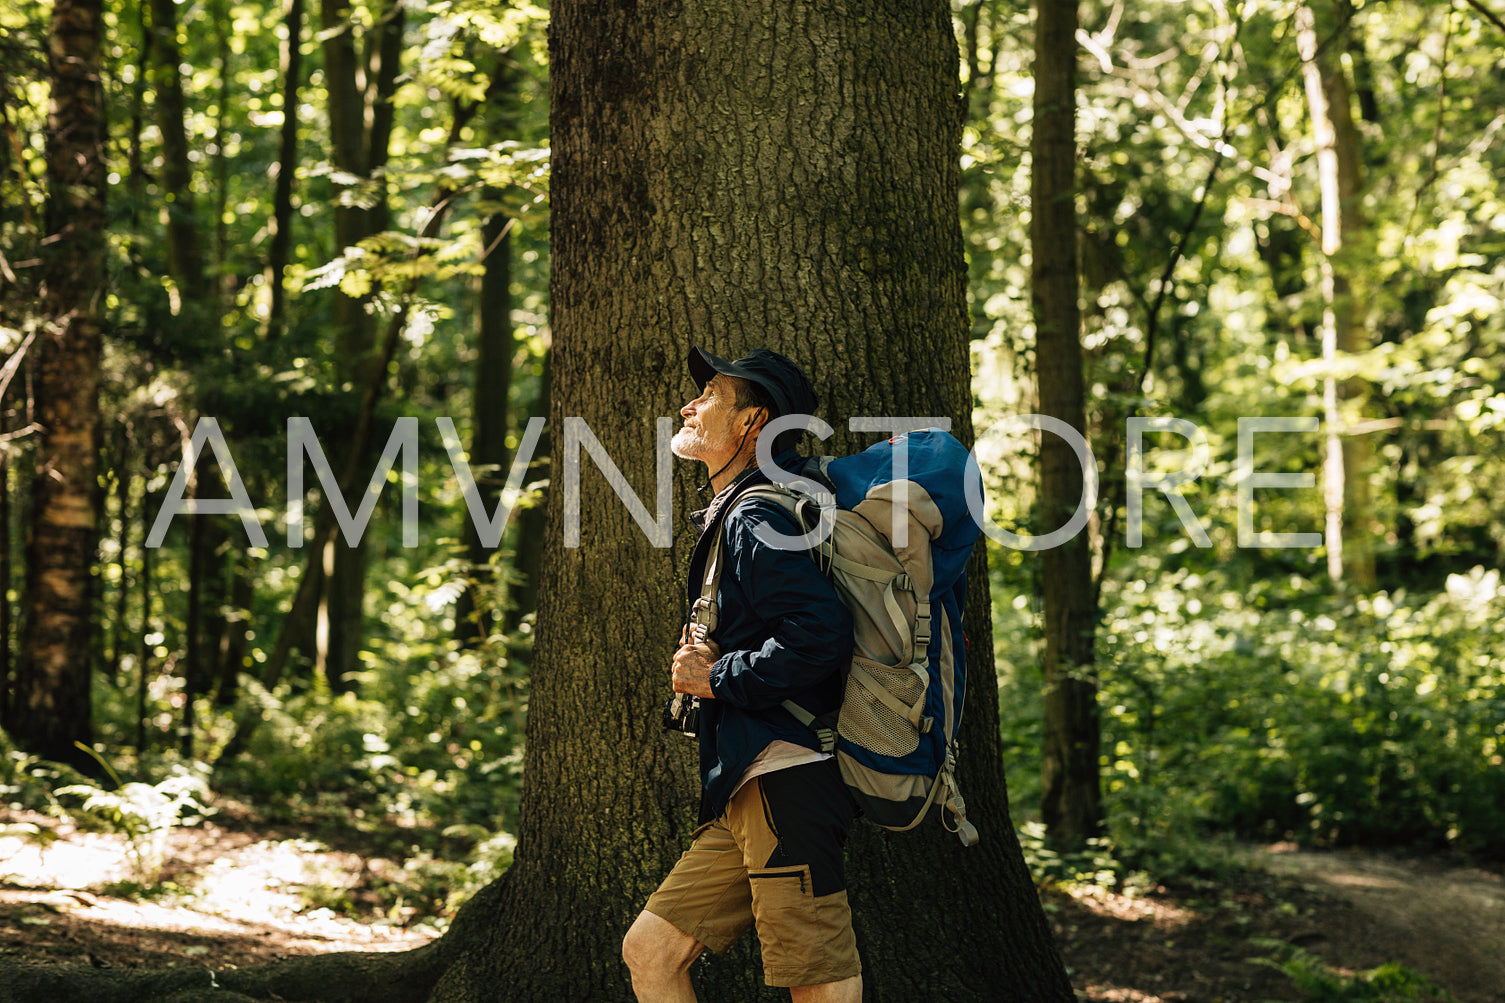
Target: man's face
(712, 424)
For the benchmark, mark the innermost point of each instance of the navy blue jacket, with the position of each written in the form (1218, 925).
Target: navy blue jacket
(783, 634)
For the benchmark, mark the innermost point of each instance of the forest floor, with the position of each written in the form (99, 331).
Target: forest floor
(241, 893)
(1348, 911)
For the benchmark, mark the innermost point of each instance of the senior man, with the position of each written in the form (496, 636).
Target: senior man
(774, 811)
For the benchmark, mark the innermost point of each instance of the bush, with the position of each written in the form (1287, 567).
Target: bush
(1276, 710)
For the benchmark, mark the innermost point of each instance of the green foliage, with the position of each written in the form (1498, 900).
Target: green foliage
(1095, 868)
(27, 781)
(143, 890)
(146, 813)
(1389, 983)
(432, 735)
(1275, 710)
(433, 888)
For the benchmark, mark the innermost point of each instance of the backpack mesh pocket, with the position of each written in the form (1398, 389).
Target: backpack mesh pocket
(866, 720)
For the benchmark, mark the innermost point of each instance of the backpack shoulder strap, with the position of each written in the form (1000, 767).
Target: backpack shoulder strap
(705, 612)
(798, 504)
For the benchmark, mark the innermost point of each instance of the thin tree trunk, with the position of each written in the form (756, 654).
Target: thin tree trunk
(5, 578)
(237, 634)
(136, 181)
(1072, 796)
(495, 347)
(203, 623)
(223, 281)
(1353, 330)
(123, 480)
(193, 667)
(184, 257)
(52, 700)
(1348, 458)
(342, 622)
(360, 115)
(143, 674)
(287, 168)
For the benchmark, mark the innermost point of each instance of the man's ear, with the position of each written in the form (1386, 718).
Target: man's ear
(758, 420)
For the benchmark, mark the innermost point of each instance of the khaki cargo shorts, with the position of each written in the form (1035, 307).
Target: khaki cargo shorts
(772, 860)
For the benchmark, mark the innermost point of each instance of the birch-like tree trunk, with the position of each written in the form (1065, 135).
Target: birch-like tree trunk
(1349, 453)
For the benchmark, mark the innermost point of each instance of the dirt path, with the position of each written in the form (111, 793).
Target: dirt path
(1354, 911)
(1444, 921)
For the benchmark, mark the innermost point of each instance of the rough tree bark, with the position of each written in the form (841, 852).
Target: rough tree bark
(1071, 793)
(726, 174)
(51, 707)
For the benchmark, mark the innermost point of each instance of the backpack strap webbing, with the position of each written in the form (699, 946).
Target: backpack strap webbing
(822, 728)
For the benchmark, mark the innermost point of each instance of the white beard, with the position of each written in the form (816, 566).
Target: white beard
(688, 443)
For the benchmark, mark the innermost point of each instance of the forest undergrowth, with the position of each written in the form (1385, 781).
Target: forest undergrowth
(1245, 726)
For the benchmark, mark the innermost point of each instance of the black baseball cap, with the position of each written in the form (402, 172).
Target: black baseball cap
(783, 381)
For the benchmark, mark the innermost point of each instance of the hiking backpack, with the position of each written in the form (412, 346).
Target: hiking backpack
(896, 552)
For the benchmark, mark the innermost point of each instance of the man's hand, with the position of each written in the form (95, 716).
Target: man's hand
(692, 669)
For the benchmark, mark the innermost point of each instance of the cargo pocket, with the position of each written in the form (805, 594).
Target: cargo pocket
(784, 915)
(878, 707)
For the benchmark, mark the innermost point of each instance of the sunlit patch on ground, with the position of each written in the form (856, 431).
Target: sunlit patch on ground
(230, 898)
(1115, 994)
(1162, 914)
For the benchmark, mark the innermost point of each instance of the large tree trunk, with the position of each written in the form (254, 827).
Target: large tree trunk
(1072, 793)
(735, 175)
(51, 709)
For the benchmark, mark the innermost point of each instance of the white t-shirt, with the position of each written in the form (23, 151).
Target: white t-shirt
(779, 755)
